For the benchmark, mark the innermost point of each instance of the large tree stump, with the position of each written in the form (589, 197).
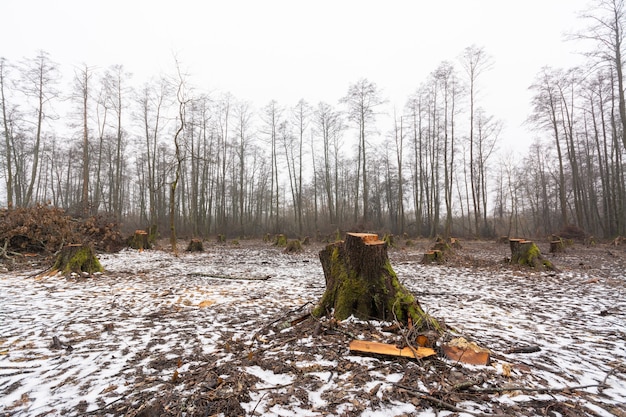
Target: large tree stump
(525, 252)
(78, 259)
(361, 282)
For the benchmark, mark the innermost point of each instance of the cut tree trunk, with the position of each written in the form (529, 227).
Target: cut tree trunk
(195, 245)
(361, 282)
(525, 252)
(557, 246)
(433, 256)
(77, 258)
(140, 240)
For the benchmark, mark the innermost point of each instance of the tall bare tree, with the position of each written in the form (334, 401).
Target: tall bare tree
(475, 61)
(39, 78)
(362, 100)
(7, 130)
(182, 99)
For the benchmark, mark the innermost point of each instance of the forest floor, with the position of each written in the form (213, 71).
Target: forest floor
(210, 334)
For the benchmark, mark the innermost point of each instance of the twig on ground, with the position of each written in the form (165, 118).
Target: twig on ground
(608, 374)
(257, 404)
(444, 404)
(537, 390)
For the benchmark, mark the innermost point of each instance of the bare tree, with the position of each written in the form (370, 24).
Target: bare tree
(363, 99)
(301, 114)
(546, 115)
(475, 61)
(82, 94)
(39, 76)
(182, 99)
(6, 125)
(606, 30)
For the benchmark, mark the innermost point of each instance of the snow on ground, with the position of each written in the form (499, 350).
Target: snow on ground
(206, 330)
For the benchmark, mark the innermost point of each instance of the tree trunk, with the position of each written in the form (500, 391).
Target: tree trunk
(77, 258)
(361, 282)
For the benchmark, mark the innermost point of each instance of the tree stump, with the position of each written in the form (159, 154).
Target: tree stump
(361, 282)
(140, 240)
(77, 258)
(280, 240)
(525, 252)
(433, 256)
(195, 245)
(293, 246)
(557, 246)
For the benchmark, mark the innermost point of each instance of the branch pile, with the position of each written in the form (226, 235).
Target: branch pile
(44, 230)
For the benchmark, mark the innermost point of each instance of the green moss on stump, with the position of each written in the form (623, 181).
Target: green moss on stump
(78, 259)
(280, 240)
(527, 253)
(361, 282)
(293, 246)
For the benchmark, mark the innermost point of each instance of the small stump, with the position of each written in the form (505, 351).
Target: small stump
(140, 240)
(77, 258)
(525, 252)
(389, 240)
(280, 240)
(293, 246)
(195, 245)
(557, 246)
(433, 256)
(361, 282)
(220, 238)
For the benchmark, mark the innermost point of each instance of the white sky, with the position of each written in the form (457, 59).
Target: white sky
(288, 49)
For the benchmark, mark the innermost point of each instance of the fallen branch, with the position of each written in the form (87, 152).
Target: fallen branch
(444, 404)
(537, 390)
(213, 276)
(286, 323)
(524, 349)
(608, 374)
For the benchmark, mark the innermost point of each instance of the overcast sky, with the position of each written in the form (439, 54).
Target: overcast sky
(261, 50)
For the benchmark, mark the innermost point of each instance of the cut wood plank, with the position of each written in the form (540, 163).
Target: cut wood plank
(389, 350)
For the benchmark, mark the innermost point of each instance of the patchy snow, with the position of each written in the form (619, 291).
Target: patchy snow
(213, 330)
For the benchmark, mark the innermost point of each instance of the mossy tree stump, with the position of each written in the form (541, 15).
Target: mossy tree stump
(293, 246)
(434, 256)
(525, 252)
(280, 240)
(361, 282)
(195, 245)
(77, 258)
(140, 240)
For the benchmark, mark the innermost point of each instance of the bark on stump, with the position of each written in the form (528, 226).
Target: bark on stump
(433, 256)
(195, 245)
(77, 258)
(140, 240)
(557, 246)
(525, 252)
(293, 246)
(361, 282)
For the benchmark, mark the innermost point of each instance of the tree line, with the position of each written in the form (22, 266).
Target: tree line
(167, 153)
